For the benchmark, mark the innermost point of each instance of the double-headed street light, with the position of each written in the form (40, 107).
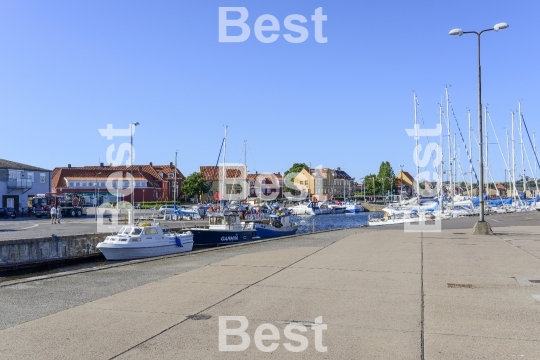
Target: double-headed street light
(481, 227)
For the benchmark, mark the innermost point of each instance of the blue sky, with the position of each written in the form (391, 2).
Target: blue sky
(69, 68)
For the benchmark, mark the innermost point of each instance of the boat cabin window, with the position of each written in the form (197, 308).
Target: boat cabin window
(216, 220)
(230, 219)
(136, 231)
(125, 230)
(150, 231)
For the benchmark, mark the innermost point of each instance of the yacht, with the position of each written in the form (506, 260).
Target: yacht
(144, 240)
(310, 208)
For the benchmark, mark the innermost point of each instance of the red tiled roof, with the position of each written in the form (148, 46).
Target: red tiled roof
(140, 172)
(210, 173)
(253, 177)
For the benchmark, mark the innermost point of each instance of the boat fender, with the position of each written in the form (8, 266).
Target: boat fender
(178, 241)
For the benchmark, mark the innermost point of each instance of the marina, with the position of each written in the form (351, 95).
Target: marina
(167, 300)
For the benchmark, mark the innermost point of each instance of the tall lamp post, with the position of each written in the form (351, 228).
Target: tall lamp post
(481, 227)
(97, 195)
(132, 125)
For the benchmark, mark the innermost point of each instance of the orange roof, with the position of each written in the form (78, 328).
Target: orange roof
(210, 173)
(140, 172)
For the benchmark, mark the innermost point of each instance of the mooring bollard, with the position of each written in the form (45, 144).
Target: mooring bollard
(313, 225)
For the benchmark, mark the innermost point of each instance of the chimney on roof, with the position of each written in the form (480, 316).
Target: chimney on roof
(69, 165)
(339, 169)
(256, 172)
(151, 163)
(101, 164)
(110, 164)
(172, 165)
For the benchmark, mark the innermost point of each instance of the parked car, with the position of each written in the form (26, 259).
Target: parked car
(166, 209)
(8, 213)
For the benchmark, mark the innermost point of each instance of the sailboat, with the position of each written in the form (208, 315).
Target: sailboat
(224, 227)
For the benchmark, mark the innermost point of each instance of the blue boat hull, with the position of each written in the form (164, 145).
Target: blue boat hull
(202, 237)
(270, 232)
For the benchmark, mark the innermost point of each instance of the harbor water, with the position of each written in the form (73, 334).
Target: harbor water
(306, 224)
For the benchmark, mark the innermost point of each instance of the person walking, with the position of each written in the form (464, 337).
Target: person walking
(58, 213)
(53, 214)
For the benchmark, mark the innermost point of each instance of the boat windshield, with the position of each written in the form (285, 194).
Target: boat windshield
(136, 231)
(124, 230)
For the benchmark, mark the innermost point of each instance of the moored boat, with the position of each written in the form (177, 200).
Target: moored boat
(278, 224)
(310, 208)
(223, 229)
(144, 240)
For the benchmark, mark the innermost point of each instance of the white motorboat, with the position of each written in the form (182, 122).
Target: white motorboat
(144, 240)
(397, 217)
(333, 206)
(311, 208)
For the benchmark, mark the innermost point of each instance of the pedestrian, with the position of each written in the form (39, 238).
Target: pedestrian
(59, 213)
(53, 214)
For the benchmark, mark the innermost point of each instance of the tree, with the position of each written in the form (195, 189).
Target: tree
(296, 168)
(372, 184)
(195, 185)
(386, 177)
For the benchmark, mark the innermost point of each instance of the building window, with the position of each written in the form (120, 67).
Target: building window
(30, 176)
(42, 178)
(252, 183)
(281, 182)
(83, 184)
(71, 184)
(252, 191)
(171, 175)
(77, 184)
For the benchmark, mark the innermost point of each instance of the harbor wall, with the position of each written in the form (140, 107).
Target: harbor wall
(50, 249)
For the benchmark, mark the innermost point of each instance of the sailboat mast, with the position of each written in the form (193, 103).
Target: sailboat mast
(486, 176)
(440, 182)
(222, 182)
(523, 180)
(416, 153)
(508, 157)
(536, 163)
(175, 186)
(455, 162)
(513, 159)
(470, 150)
(449, 144)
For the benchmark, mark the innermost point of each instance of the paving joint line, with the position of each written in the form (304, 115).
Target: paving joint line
(222, 300)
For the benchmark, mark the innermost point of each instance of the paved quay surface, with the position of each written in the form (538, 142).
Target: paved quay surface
(383, 293)
(32, 227)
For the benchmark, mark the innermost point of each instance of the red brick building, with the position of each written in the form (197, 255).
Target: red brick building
(112, 183)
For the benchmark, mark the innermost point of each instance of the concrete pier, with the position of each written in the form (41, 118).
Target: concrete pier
(382, 294)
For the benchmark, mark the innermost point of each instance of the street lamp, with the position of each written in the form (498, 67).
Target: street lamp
(481, 227)
(132, 125)
(97, 195)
